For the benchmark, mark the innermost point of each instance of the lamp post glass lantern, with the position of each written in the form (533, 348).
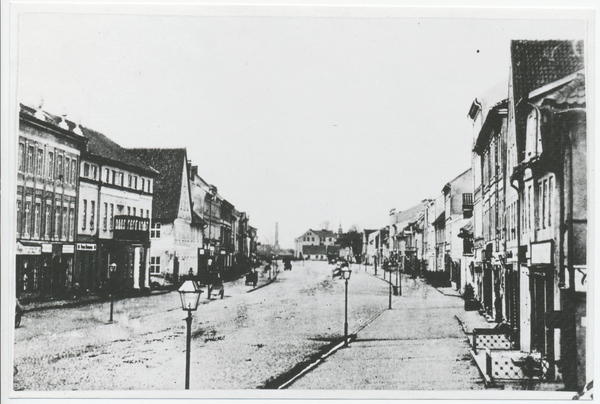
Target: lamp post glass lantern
(189, 293)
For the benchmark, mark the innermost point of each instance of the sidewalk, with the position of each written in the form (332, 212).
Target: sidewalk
(91, 298)
(418, 345)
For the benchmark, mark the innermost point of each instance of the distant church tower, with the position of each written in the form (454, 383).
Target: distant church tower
(276, 234)
(340, 229)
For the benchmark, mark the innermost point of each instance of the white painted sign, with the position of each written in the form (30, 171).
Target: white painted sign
(28, 250)
(46, 248)
(68, 248)
(541, 253)
(86, 247)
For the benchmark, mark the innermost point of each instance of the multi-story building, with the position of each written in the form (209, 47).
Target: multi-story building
(406, 236)
(46, 204)
(547, 166)
(115, 206)
(314, 237)
(176, 229)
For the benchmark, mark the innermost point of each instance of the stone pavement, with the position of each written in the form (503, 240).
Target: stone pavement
(418, 345)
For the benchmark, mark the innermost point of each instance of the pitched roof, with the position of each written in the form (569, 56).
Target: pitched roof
(571, 94)
(167, 186)
(410, 213)
(98, 144)
(323, 233)
(537, 63)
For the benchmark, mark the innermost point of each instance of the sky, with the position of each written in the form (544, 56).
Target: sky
(298, 120)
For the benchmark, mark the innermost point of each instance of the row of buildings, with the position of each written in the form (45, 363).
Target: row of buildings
(89, 210)
(512, 229)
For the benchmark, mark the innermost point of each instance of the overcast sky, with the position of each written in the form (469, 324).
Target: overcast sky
(296, 120)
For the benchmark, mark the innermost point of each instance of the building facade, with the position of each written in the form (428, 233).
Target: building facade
(49, 152)
(175, 229)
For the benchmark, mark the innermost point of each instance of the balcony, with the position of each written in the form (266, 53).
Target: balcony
(132, 228)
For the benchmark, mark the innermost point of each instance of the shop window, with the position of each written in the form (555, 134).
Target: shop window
(112, 216)
(38, 218)
(47, 224)
(105, 218)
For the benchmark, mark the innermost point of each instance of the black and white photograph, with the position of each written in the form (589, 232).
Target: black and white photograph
(297, 202)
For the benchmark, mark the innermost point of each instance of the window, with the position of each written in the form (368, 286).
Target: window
(51, 165)
(143, 184)
(155, 230)
(147, 213)
(92, 214)
(27, 217)
(84, 214)
(65, 222)
(30, 166)
(129, 180)
(94, 172)
(38, 218)
(129, 211)
(74, 171)
(105, 218)
(47, 214)
(120, 179)
(57, 219)
(154, 265)
(135, 182)
(71, 221)
(149, 186)
(107, 175)
(134, 214)
(22, 157)
(40, 163)
(550, 185)
(67, 170)
(112, 215)
(59, 167)
(86, 170)
(19, 218)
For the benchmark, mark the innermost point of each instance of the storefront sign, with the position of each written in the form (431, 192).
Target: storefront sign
(46, 248)
(68, 248)
(580, 278)
(86, 247)
(28, 250)
(541, 253)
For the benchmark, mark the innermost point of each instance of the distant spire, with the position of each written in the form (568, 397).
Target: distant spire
(276, 234)
(340, 229)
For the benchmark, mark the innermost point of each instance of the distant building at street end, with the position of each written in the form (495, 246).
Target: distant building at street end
(314, 237)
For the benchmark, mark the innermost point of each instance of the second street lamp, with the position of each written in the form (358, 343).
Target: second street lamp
(346, 272)
(190, 295)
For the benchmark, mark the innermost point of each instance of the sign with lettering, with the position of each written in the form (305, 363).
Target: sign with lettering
(46, 248)
(28, 250)
(68, 248)
(86, 247)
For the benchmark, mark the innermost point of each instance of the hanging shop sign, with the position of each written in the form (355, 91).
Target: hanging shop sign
(541, 253)
(68, 248)
(28, 250)
(86, 247)
(46, 248)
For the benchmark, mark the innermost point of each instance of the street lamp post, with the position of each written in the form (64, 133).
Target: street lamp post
(346, 272)
(190, 295)
(112, 271)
